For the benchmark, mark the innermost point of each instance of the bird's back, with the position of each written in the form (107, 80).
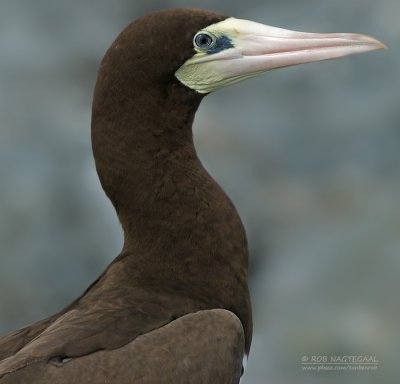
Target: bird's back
(165, 355)
(110, 316)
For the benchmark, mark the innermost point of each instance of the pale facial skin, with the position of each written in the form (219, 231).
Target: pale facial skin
(233, 50)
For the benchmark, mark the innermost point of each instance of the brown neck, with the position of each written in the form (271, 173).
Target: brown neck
(135, 137)
(180, 228)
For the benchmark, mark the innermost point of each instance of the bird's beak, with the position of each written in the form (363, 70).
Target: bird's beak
(248, 49)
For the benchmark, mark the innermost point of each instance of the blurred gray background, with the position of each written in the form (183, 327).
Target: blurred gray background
(309, 154)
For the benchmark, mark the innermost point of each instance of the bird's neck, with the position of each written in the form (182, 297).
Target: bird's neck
(148, 166)
(141, 141)
(180, 228)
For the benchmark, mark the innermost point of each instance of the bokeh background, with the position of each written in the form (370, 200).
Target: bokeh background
(309, 154)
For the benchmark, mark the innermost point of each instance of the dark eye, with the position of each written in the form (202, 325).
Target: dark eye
(204, 40)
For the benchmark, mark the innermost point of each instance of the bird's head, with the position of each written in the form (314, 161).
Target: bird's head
(206, 51)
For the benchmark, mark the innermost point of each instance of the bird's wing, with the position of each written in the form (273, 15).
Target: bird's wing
(84, 330)
(10, 344)
(202, 347)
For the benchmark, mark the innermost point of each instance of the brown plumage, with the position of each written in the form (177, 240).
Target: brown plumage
(176, 298)
(165, 355)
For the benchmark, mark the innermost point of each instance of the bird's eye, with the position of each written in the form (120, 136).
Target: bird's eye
(204, 40)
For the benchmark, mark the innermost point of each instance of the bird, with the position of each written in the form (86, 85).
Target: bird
(174, 305)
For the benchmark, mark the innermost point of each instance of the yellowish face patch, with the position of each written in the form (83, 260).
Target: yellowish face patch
(214, 44)
(233, 50)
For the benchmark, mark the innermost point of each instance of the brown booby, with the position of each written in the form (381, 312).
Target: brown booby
(174, 306)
